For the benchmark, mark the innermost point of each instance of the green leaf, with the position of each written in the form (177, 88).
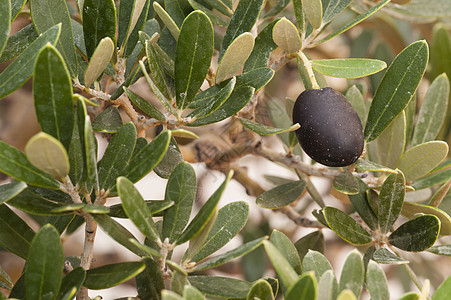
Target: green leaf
(442, 292)
(314, 12)
(47, 14)
(235, 56)
(170, 295)
(44, 264)
(5, 23)
(410, 210)
(91, 154)
(229, 255)
(197, 242)
(77, 156)
(224, 228)
(117, 155)
(49, 155)
(136, 209)
(224, 287)
(396, 88)
(328, 286)
(303, 289)
(110, 275)
(35, 204)
(317, 262)
(129, 14)
(287, 249)
(384, 256)
(214, 18)
(264, 129)
(237, 100)
(263, 47)
(286, 36)
(352, 274)
(16, 235)
(281, 195)
(18, 42)
(391, 198)
(313, 241)
(422, 8)
(243, 19)
(348, 67)
(205, 213)
(283, 268)
(417, 234)
(421, 159)
(99, 21)
(156, 71)
(191, 293)
(346, 295)
(155, 206)
(99, 60)
(376, 282)
(355, 21)
(261, 289)
(146, 159)
(223, 6)
(410, 296)
(366, 165)
(257, 78)
(362, 205)
(14, 163)
(357, 101)
(10, 190)
(193, 56)
(170, 160)
(431, 180)
(22, 68)
(333, 9)
(441, 250)
(432, 112)
(167, 20)
(72, 280)
(144, 105)
(346, 227)
(346, 183)
(108, 120)
(149, 282)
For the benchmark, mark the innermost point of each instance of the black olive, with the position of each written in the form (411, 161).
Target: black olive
(331, 132)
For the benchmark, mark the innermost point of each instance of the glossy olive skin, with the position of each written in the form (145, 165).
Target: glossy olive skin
(331, 132)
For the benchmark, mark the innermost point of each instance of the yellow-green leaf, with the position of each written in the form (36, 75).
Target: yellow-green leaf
(99, 60)
(286, 36)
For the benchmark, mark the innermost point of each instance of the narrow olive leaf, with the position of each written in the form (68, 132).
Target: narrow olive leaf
(229, 255)
(6, 282)
(48, 154)
(417, 234)
(346, 183)
(346, 227)
(5, 23)
(235, 56)
(52, 91)
(281, 195)
(391, 199)
(15, 164)
(224, 287)
(442, 292)
(410, 210)
(421, 159)
(263, 47)
(243, 19)
(144, 105)
(224, 228)
(72, 280)
(10, 190)
(191, 293)
(357, 101)
(117, 155)
(441, 250)
(183, 133)
(225, 7)
(138, 6)
(146, 159)
(261, 289)
(317, 262)
(90, 149)
(99, 60)
(204, 214)
(376, 282)
(126, 10)
(118, 233)
(44, 264)
(286, 36)
(283, 268)
(214, 18)
(303, 289)
(16, 235)
(149, 282)
(432, 180)
(167, 20)
(348, 67)
(181, 188)
(171, 159)
(352, 274)
(192, 57)
(108, 120)
(363, 206)
(423, 8)
(151, 252)
(286, 247)
(328, 286)
(366, 165)
(264, 129)
(256, 78)
(99, 21)
(45, 15)
(197, 242)
(18, 42)
(390, 144)
(355, 21)
(110, 275)
(432, 112)
(385, 256)
(396, 88)
(156, 71)
(314, 12)
(136, 209)
(237, 100)
(313, 241)
(333, 9)
(21, 68)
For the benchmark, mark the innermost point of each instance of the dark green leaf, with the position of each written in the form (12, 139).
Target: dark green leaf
(155, 206)
(281, 195)
(366, 165)
(18, 42)
(384, 256)
(283, 268)
(303, 289)
(149, 283)
(16, 7)
(349, 67)
(144, 105)
(178, 282)
(376, 282)
(72, 280)
(317, 262)
(5, 23)
(417, 234)
(287, 249)
(441, 250)
(10, 190)
(346, 183)
(256, 78)
(111, 275)
(197, 242)
(214, 18)
(313, 241)
(333, 9)
(352, 274)
(155, 69)
(181, 189)
(263, 47)
(77, 156)
(178, 10)
(171, 26)
(397, 87)
(410, 210)
(346, 227)
(278, 6)
(363, 207)
(44, 264)
(117, 155)
(90, 149)
(261, 289)
(171, 159)
(264, 129)
(391, 198)
(224, 287)
(99, 21)
(223, 6)
(46, 14)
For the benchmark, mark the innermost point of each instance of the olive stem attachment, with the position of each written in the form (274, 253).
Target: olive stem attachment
(308, 68)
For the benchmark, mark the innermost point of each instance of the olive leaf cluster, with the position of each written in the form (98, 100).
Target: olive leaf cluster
(85, 57)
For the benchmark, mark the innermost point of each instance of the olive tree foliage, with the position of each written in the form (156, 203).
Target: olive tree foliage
(206, 62)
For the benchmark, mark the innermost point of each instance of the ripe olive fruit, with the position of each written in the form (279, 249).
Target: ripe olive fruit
(331, 132)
